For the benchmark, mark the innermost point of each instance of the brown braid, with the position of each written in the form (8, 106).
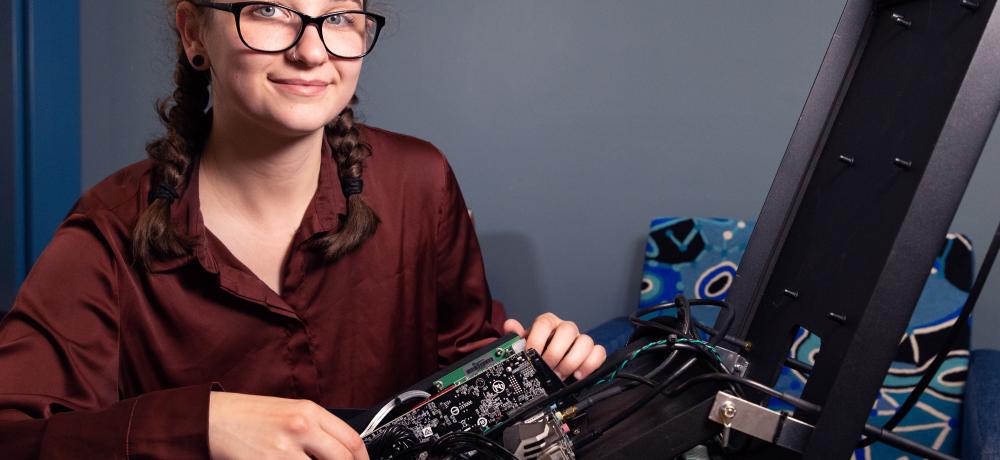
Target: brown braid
(183, 114)
(349, 151)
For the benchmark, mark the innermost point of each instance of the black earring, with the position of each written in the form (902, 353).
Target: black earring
(197, 61)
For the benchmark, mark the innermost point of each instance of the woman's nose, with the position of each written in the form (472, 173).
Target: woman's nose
(310, 49)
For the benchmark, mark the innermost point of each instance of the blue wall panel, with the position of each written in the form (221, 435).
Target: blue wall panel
(52, 170)
(12, 253)
(39, 130)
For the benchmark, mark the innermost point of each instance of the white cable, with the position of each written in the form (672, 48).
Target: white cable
(389, 406)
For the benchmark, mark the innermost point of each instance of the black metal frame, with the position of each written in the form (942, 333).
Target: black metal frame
(783, 281)
(890, 134)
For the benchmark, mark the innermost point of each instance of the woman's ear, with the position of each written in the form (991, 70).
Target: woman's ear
(189, 27)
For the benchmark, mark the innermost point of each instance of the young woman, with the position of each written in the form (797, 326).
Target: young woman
(270, 258)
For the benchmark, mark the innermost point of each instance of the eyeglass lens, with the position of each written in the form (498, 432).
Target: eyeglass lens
(272, 28)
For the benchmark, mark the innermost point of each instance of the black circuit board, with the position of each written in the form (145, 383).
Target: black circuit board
(482, 402)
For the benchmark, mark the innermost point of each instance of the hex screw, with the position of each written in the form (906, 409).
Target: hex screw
(842, 319)
(905, 164)
(849, 161)
(970, 5)
(901, 20)
(728, 410)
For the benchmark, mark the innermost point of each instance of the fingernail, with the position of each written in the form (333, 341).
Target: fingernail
(578, 375)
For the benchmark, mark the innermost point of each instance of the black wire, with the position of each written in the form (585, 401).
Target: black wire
(662, 328)
(726, 316)
(595, 434)
(458, 443)
(741, 344)
(961, 323)
(617, 388)
(659, 307)
(574, 388)
(570, 389)
(905, 444)
(620, 387)
(711, 358)
(679, 304)
(663, 365)
(685, 310)
(636, 378)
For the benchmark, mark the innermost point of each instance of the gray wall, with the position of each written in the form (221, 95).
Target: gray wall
(126, 59)
(570, 123)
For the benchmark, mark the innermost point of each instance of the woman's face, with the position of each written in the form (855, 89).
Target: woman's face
(295, 92)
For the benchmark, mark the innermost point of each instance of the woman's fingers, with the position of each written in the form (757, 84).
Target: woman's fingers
(577, 354)
(325, 447)
(541, 330)
(561, 341)
(250, 426)
(345, 436)
(513, 325)
(594, 360)
(562, 346)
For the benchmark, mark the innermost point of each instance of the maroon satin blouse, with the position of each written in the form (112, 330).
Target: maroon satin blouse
(102, 359)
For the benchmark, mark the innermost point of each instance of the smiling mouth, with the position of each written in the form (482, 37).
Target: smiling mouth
(300, 87)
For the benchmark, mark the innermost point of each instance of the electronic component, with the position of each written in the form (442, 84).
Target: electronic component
(480, 364)
(542, 436)
(478, 403)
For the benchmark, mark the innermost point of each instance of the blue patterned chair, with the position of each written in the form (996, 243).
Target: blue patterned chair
(698, 257)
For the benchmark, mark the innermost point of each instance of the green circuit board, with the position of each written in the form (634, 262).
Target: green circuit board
(480, 364)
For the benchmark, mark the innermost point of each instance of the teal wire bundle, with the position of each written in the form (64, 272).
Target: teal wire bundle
(624, 363)
(703, 343)
(614, 373)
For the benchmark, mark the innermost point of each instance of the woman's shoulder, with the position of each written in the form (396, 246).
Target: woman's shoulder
(401, 149)
(117, 196)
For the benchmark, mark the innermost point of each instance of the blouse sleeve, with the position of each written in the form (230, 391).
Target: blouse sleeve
(59, 391)
(468, 317)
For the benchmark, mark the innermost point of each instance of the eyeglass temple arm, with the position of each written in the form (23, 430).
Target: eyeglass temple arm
(230, 7)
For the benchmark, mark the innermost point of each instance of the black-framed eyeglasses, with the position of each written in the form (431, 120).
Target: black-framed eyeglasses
(273, 28)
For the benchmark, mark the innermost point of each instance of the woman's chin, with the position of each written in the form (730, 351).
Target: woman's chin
(303, 125)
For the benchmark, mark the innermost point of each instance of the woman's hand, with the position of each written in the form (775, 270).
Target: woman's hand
(562, 346)
(246, 426)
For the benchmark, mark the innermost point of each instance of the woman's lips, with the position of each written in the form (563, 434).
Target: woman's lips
(300, 87)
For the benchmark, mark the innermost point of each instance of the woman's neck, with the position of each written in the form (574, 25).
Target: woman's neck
(263, 175)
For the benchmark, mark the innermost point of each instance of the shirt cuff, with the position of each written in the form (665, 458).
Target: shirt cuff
(170, 424)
